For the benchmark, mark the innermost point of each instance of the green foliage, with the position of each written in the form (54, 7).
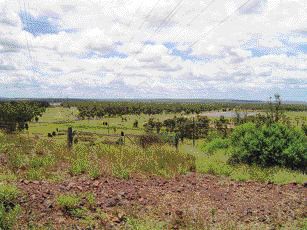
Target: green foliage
(9, 209)
(304, 128)
(8, 194)
(214, 145)
(269, 145)
(35, 174)
(15, 115)
(120, 171)
(91, 199)
(94, 171)
(144, 224)
(217, 164)
(68, 202)
(17, 159)
(90, 109)
(8, 217)
(7, 176)
(80, 160)
(41, 161)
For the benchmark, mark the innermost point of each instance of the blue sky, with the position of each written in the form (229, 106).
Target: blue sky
(154, 49)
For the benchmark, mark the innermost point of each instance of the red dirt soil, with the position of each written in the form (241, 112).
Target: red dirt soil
(193, 199)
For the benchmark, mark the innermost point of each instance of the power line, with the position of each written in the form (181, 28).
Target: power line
(166, 19)
(24, 14)
(220, 23)
(145, 19)
(205, 34)
(140, 6)
(200, 13)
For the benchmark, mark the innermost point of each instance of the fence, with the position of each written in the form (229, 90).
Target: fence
(74, 136)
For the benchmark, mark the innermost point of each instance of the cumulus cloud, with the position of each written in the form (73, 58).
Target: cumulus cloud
(147, 48)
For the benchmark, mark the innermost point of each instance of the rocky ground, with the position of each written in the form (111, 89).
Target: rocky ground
(191, 200)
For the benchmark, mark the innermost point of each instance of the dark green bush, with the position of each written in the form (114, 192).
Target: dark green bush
(304, 128)
(269, 145)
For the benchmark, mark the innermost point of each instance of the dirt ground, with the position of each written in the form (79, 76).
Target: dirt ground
(190, 200)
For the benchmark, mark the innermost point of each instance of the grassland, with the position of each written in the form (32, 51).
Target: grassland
(127, 187)
(216, 163)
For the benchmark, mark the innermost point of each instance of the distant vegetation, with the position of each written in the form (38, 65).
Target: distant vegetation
(90, 109)
(15, 115)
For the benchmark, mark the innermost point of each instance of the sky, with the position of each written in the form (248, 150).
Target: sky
(211, 49)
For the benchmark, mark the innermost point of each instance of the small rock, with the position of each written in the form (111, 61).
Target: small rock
(60, 220)
(48, 204)
(112, 202)
(35, 182)
(96, 183)
(70, 185)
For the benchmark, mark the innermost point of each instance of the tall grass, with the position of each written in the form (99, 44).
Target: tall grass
(123, 161)
(217, 164)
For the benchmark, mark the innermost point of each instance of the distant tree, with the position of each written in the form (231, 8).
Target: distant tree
(221, 126)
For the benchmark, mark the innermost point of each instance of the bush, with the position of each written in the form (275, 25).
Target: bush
(8, 217)
(8, 194)
(147, 140)
(215, 144)
(9, 209)
(269, 145)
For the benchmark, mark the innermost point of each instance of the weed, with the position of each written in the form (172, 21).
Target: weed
(94, 171)
(8, 217)
(119, 171)
(144, 224)
(91, 199)
(9, 209)
(68, 202)
(8, 176)
(8, 194)
(35, 174)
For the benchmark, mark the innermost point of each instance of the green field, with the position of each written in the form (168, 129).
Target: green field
(216, 163)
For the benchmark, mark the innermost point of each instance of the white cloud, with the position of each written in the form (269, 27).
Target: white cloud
(100, 45)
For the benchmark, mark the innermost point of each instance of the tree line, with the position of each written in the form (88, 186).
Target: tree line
(94, 109)
(15, 115)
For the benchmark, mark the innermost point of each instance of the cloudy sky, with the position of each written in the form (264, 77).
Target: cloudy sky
(153, 48)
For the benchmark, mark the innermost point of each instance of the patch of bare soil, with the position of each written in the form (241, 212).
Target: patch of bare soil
(190, 200)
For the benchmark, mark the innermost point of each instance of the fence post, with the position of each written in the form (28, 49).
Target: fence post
(69, 137)
(123, 137)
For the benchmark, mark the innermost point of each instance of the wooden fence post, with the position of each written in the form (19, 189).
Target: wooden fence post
(123, 137)
(69, 137)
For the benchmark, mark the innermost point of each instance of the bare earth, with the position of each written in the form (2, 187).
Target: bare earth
(193, 199)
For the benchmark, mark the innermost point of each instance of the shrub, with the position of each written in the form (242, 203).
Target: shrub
(215, 144)
(8, 217)
(8, 194)
(269, 145)
(9, 209)
(149, 139)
